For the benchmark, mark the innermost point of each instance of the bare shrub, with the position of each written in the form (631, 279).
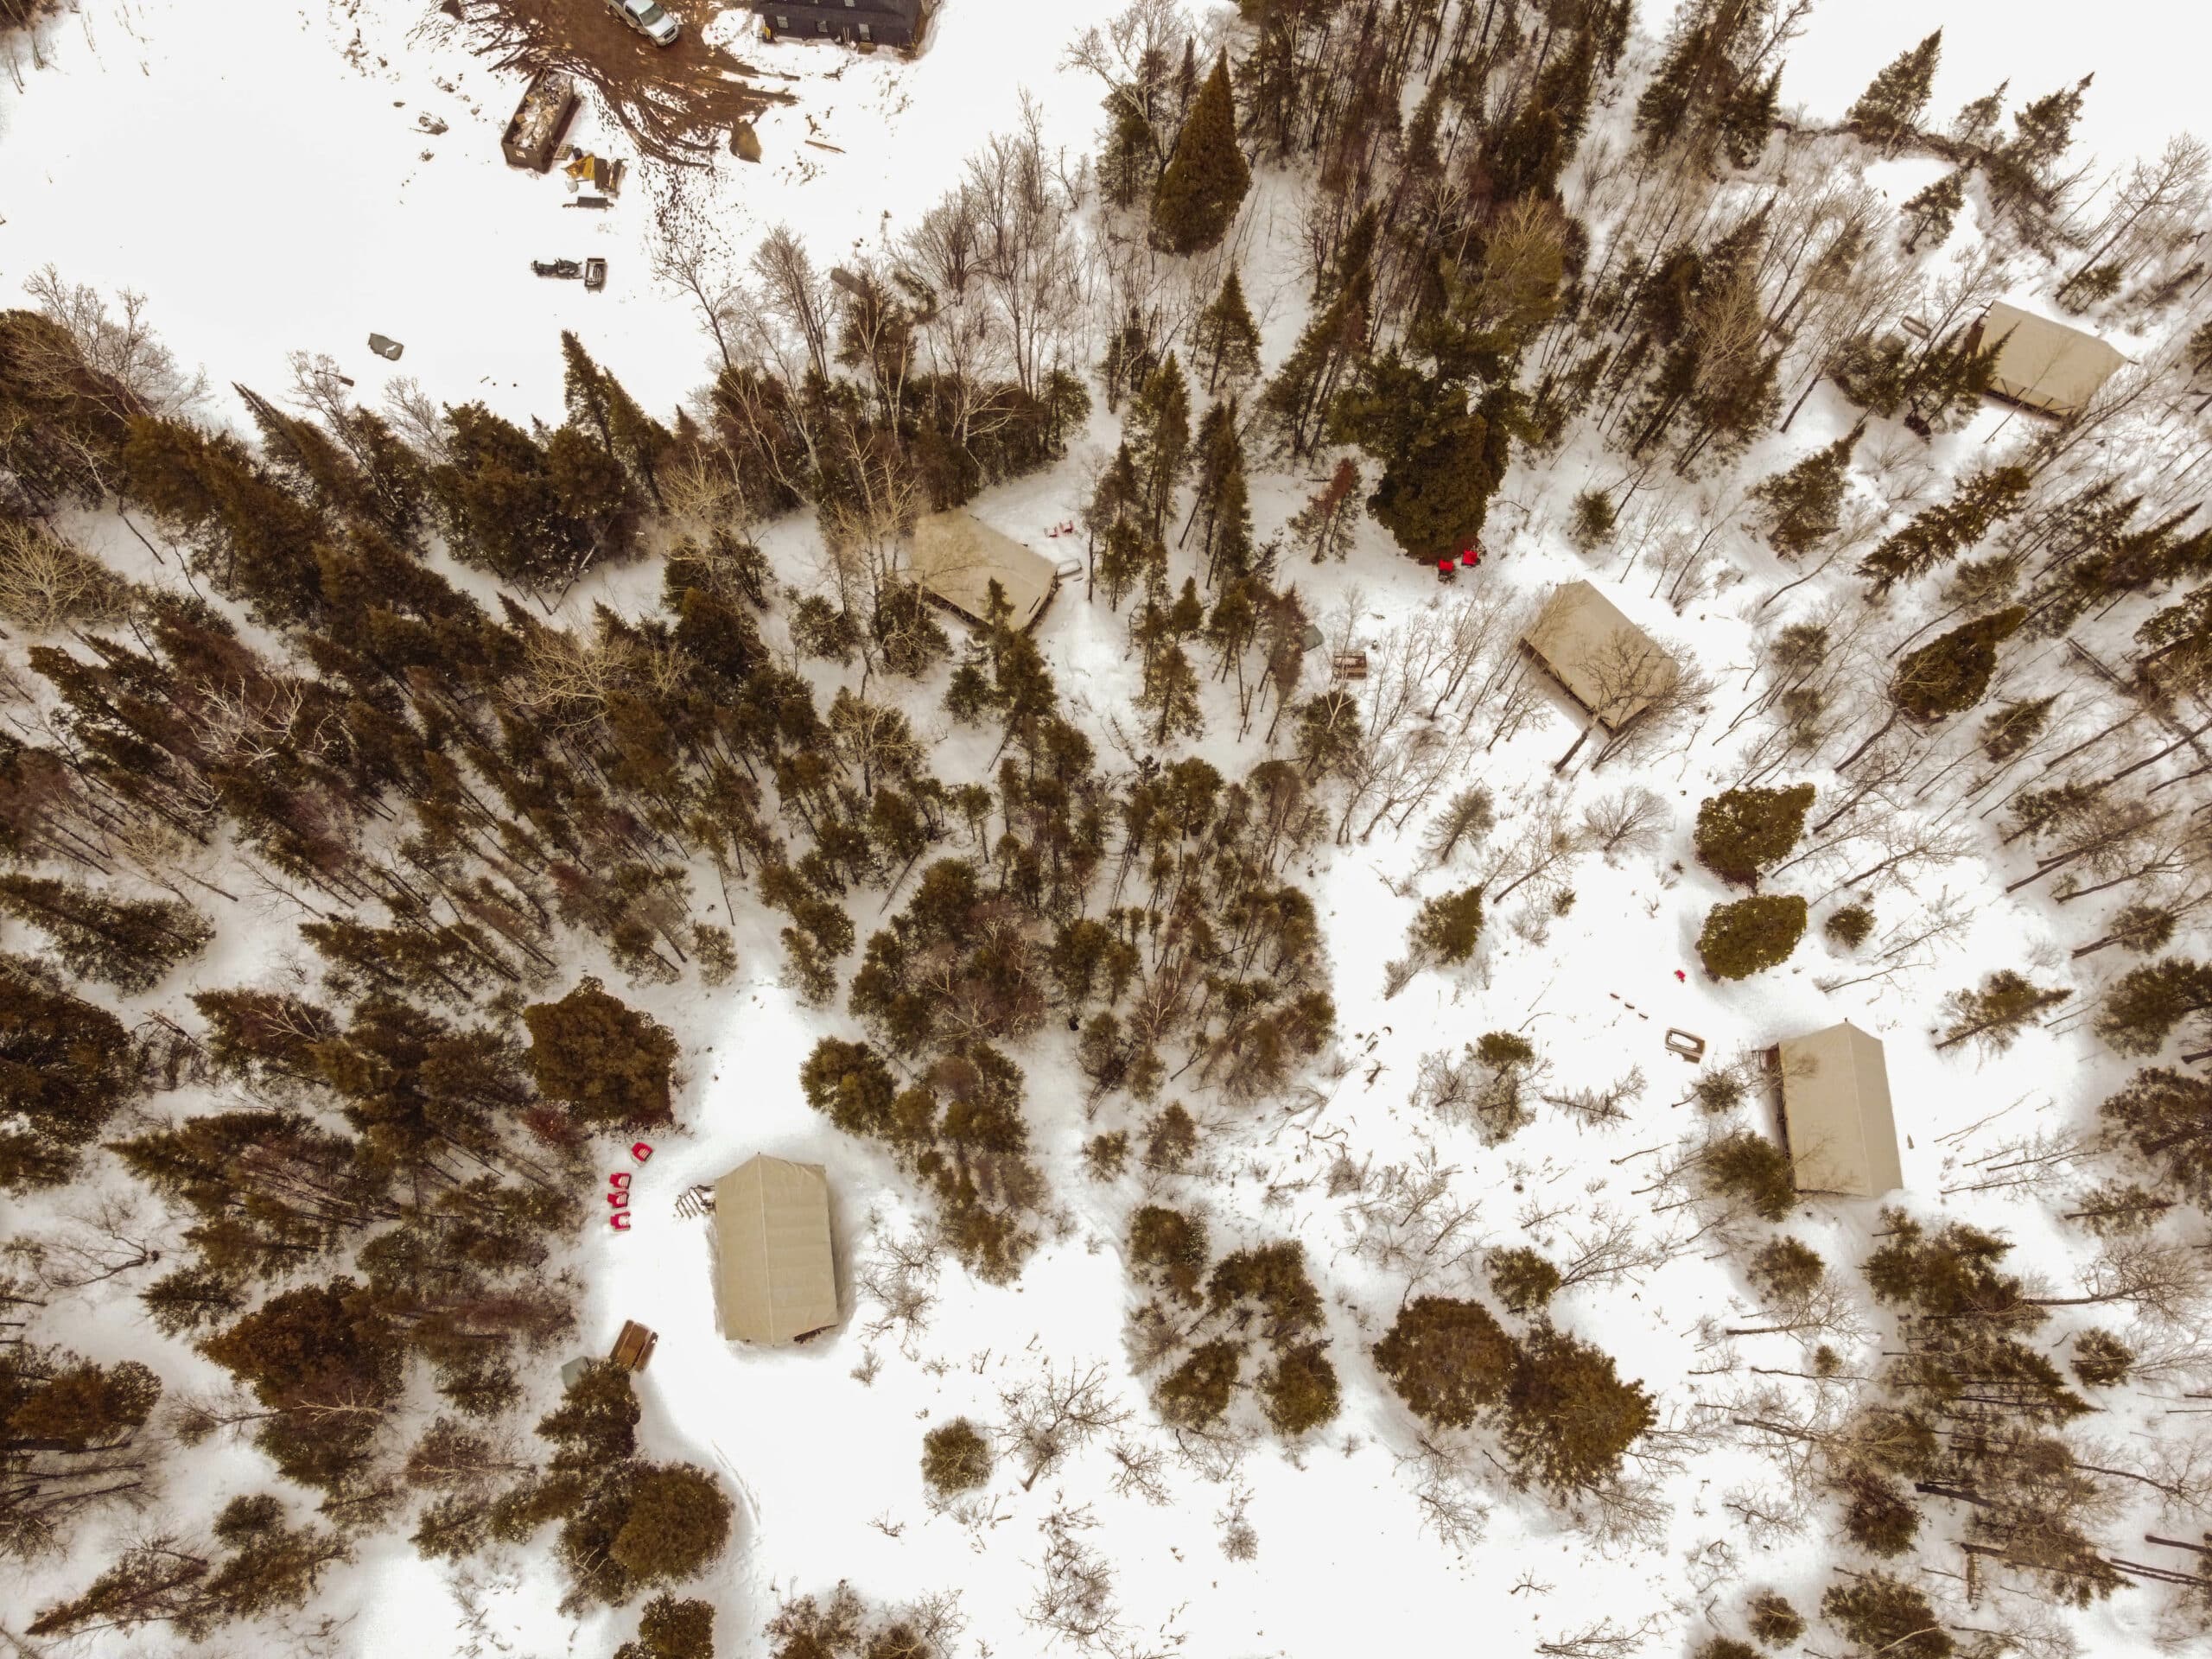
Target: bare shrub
(45, 582)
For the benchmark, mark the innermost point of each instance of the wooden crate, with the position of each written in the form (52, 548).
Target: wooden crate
(633, 1349)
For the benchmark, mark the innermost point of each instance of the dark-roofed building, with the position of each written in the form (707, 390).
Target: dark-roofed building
(856, 22)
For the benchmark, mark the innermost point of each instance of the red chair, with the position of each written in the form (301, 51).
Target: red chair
(620, 1221)
(641, 1150)
(1470, 558)
(620, 1180)
(619, 1198)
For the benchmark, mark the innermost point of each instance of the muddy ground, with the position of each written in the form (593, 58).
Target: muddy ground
(679, 104)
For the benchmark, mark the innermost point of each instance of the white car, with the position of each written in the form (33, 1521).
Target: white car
(648, 18)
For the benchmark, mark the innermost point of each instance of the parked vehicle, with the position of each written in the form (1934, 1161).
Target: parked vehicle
(649, 18)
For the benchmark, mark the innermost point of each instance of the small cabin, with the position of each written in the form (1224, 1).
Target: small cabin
(957, 557)
(853, 22)
(1836, 1120)
(775, 1267)
(2042, 364)
(1612, 670)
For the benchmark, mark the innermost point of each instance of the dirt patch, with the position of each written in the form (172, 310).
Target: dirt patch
(679, 104)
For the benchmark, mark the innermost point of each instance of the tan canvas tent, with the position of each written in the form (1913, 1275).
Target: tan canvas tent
(775, 1277)
(957, 556)
(2045, 365)
(1604, 661)
(1835, 1113)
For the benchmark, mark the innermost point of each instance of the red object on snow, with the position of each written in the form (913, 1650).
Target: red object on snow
(641, 1150)
(619, 1198)
(620, 1180)
(1470, 558)
(1680, 975)
(620, 1221)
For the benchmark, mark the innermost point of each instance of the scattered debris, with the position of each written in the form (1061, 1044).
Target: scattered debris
(1348, 665)
(590, 201)
(539, 120)
(744, 143)
(430, 123)
(562, 268)
(386, 347)
(818, 144)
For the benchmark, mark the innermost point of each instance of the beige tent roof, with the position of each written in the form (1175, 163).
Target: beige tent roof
(2045, 365)
(775, 1280)
(955, 556)
(1835, 1113)
(1607, 663)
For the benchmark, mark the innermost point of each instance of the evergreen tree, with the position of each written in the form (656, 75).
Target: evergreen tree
(2166, 1117)
(1771, 1618)
(1441, 460)
(1196, 1393)
(1994, 1015)
(1934, 208)
(327, 1365)
(66, 1066)
(1889, 110)
(1977, 120)
(1304, 391)
(1568, 1418)
(1940, 533)
(1748, 1169)
(2015, 725)
(1158, 434)
(1324, 524)
(1803, 507)
(1952, 673)
(1712, 90)
(2101, 1360)
(1448, 1360)
(669, 1628)
(1740, 832)
(130, 943)
(1741, 939)
(1205, 180)
(609, 1063)
(258, 1565)
(1523, 1279)
(1886, 1616)
(1225, 342)
(1449, 926)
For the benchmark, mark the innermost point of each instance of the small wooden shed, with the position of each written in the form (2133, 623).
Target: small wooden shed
(1836, 1122)
(534, 132)
(775, 1268)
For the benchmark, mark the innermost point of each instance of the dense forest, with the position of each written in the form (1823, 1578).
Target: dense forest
(355, 678)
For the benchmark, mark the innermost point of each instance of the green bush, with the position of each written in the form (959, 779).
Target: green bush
(1741, 939)
(1741, 833)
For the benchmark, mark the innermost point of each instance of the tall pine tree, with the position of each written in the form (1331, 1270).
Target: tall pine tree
(1890, 109)
(1207, 178)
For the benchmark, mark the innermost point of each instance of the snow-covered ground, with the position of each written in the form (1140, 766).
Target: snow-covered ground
(264, 180)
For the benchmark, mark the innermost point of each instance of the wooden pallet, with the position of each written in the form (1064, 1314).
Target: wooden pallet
(633, 1348)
